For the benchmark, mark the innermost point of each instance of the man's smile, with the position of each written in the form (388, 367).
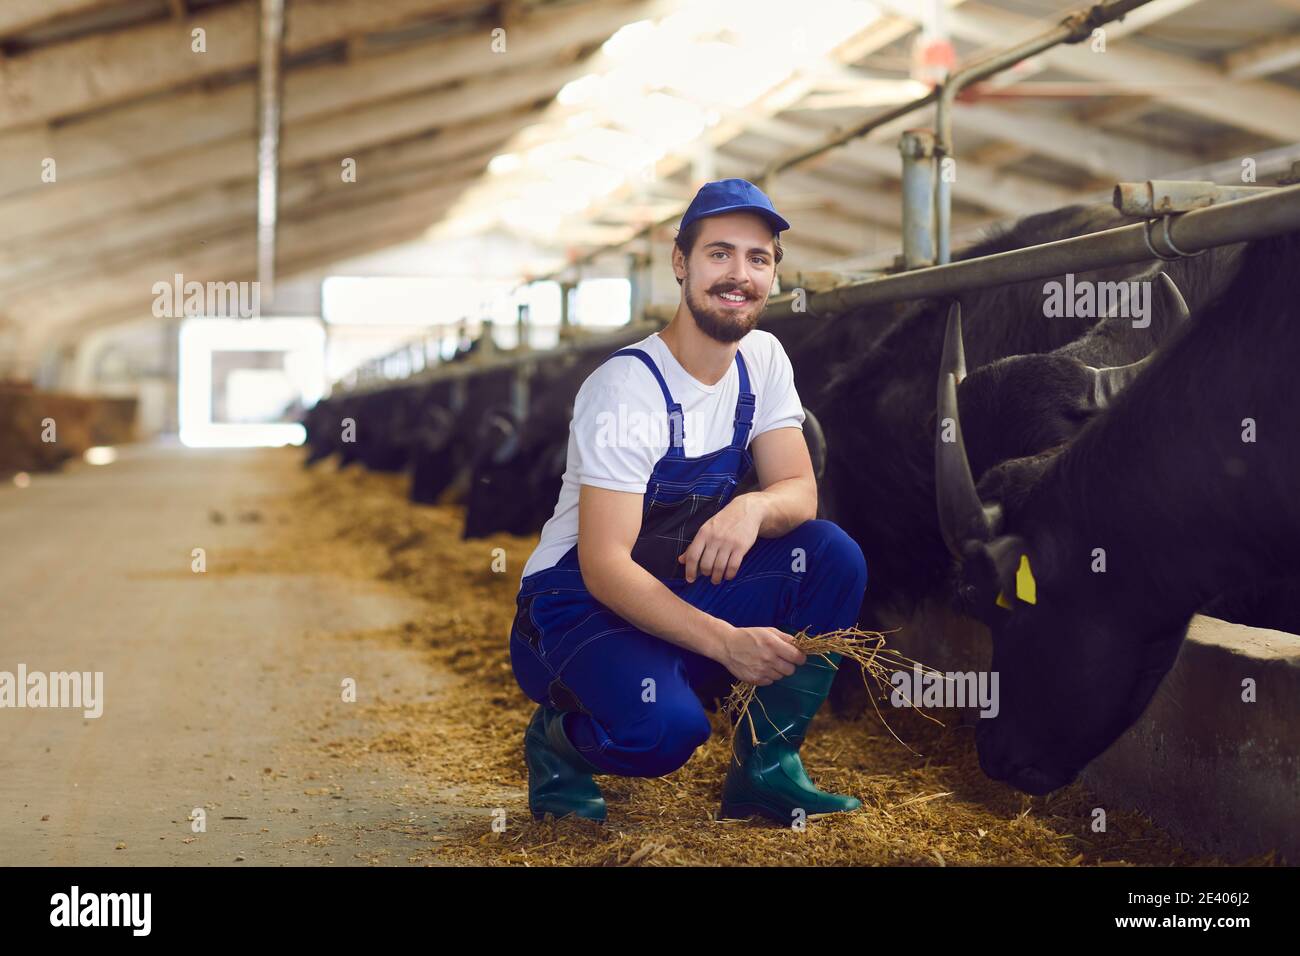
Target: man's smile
(732, 299)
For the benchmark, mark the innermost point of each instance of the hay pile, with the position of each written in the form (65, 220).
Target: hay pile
(925, 802)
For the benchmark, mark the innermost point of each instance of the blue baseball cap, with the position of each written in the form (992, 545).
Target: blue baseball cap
(732, 195)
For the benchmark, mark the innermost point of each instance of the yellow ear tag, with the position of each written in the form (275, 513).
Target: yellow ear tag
(1026, 587)
(1002, 601)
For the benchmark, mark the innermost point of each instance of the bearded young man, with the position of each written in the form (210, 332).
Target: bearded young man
(654, 586)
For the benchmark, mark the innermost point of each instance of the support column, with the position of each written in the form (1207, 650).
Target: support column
(917, 149)
(566, 310)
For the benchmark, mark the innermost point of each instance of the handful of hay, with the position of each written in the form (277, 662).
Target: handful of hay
(867, 648)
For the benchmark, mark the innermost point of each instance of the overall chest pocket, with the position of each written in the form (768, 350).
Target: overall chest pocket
(668, 528)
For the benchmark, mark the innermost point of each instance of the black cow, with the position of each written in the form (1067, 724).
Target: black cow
(517, 467)
(877, 404)
(383, 429)
(386, 420)
(445, 457)
(515, 477)
(401, 421)
(349, 448)
(324, 423)
(431, 435)
(376, 437)
(1184, 508)
(316, 422)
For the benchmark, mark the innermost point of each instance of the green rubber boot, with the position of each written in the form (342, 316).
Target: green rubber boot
(559, 777)
(768, 779)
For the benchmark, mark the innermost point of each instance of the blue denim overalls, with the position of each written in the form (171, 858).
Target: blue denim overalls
(681, 494)
(633, 701)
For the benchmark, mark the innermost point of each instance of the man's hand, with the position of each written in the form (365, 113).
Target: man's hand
(760, 655)
(724, 540)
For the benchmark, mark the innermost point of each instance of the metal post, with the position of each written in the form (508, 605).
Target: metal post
(917, 149)
(943, 211)
(522, 327)
(268, 144)
(638, 277)
(647, 275)
(566, 315)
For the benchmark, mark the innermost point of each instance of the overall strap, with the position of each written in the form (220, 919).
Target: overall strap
(676, 425)
(744, 406)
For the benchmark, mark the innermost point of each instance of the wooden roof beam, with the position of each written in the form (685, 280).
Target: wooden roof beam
(128, 135)
(1197, 88)
(67, 79)
(59, 205)
(18, 16)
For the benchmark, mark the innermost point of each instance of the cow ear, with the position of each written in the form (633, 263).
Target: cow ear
(1015, 571)
(996, 576)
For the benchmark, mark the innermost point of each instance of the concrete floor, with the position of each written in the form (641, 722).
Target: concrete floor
(214, 686)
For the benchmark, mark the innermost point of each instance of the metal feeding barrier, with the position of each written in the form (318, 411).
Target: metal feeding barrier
(1172, 236)
(1268, 211)
(1182, 218)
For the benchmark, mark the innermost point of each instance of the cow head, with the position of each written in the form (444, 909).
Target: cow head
(1024, 404)
(512, 481)
(433, 429)
(1075, 667)
(431, 453)
(497, 441)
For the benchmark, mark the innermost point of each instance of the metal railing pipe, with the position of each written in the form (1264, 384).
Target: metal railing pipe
(1257, 217)
(917, 149)
(1074, 28)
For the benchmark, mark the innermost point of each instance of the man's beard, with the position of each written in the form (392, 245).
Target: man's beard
(720, 323)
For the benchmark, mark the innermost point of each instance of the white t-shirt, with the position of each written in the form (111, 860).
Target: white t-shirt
(620, 424)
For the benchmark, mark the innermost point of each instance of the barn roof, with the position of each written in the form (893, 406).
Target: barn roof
(551, 133)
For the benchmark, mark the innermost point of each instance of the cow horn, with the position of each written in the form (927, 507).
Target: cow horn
(954, 351)
(1109, 382)
(1175, 297)
(962, 516)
